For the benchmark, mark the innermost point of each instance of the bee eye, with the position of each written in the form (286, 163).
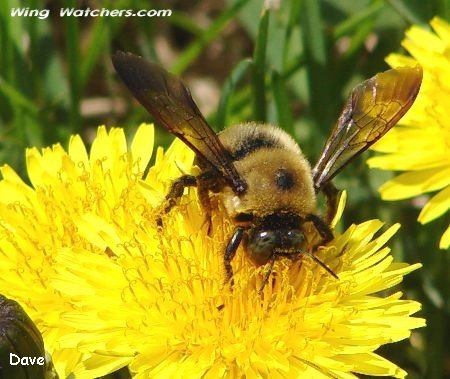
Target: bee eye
(293, 238)
(261, 245)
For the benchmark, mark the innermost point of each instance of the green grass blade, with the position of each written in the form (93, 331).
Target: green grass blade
(403, 10)
(318, 74)
(185, 22)
(196, 47)
(228, 90)
(359, 37)
(98, 43)
(17, 98)
(294, 14)
(352, 24)
(10, 40)
(292, 68)
(259, 69)
(281, 98)
(73, 60)
(314, 38)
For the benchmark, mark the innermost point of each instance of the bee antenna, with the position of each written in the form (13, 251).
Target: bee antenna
(280, 252)
(323, 265)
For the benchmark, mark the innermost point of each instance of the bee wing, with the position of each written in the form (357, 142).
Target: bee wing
(373, 108)
(169, 101)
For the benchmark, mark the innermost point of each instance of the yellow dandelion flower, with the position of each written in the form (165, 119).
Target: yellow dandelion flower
(108, 288)
(420, 146)
(38, 220)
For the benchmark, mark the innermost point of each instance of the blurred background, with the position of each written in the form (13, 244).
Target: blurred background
(293, 66)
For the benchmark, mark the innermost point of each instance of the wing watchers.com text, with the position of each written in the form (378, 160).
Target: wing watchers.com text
(88, 12)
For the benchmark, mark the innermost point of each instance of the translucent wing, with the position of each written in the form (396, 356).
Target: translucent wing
(373, 108)
(169, 101)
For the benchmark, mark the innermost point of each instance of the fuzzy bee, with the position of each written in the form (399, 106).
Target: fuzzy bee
(263, 179)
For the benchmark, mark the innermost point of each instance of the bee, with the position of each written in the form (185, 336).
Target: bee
(266, 184)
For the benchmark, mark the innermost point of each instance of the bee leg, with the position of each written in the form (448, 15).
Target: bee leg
(332, 194)
(203, 196)
(327, 235)
(323, 228)
(230, 252)
(267, 273)
(206, 183)
(177, 189)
